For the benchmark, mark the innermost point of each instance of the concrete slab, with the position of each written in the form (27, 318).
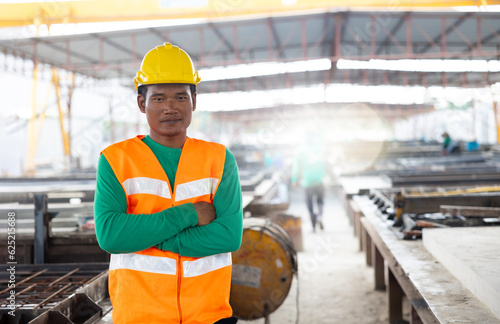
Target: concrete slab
(472, 255)
(353, 184)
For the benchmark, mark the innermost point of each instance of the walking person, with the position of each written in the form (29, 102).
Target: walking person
(168, 207)
(308, 169)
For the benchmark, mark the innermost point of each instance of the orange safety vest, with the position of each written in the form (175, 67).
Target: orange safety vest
(154, 286)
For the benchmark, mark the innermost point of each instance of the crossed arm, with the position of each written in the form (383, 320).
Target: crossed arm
(193, 230)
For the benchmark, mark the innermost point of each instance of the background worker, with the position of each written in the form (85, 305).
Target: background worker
(168, 207)
(308, 169)
(450, 146)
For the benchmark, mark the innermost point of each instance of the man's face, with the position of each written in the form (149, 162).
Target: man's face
(168, 109)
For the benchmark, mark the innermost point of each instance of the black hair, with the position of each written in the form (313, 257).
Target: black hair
(143, 89)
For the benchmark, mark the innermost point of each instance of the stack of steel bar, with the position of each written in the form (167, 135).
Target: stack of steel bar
(462, 170)
(409, 210)
(55, 293)
(415, 166)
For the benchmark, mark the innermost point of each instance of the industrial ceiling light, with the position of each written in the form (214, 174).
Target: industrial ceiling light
(263, 69)
(421, 65)
(337, 93)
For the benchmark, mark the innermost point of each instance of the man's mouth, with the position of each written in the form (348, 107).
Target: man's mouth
(171, 121)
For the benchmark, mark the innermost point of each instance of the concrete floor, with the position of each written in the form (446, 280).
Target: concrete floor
(335, 285)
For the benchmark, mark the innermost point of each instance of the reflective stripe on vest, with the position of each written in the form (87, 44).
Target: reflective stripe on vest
(188, 190)
(142, 185)
(195, 188)
(163, 265)
(141, 262)
(205, 265)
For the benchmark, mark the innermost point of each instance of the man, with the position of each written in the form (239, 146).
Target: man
(168, 207)
(449, 146)
(309, 168)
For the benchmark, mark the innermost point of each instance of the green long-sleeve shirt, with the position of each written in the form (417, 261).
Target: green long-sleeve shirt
(309, 166)
(173, 229)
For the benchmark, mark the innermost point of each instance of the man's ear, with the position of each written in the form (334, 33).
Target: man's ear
(194, 101)
(141, 102)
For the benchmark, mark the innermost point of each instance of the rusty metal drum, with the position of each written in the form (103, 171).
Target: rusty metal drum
(291, 224)
(263, 269)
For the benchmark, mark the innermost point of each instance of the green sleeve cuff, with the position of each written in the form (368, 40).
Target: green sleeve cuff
(187, 213)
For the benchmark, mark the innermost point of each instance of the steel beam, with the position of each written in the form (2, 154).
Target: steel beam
(318, 42)
(272, 34)
(201, 37)
(135, 58)
(481, 41)
(250, 47)
(327, 20)
(491, 36)
(235, 44)
(304, 38)
(158, 34)
(446, 31)
(81, 68)
(41, 230)
(409, 47)
(419, 205)
(393, 31)
(393, 39)
(478, 44)
(363, 45)
(65, 50)
(335, 47)
(119, 46)
(221, 37)
(284, 43)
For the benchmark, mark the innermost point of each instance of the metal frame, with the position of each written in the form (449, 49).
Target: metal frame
(55, 293)
(334, 35)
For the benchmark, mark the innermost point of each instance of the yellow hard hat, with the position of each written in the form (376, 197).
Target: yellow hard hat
(166, 63)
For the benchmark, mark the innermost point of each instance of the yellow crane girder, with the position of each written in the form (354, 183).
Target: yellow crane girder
(21, 13)
(35, 123)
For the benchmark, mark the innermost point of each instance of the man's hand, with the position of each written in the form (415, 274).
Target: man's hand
(206, 213)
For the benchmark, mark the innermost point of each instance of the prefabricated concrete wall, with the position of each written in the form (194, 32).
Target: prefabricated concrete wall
(472, 255)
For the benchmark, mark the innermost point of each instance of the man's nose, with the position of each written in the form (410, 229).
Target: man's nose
(169, 105)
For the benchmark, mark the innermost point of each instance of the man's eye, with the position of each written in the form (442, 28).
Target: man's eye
(157, 99)
(182, 98)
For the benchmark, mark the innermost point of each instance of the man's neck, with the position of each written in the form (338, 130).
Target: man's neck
(172, 142)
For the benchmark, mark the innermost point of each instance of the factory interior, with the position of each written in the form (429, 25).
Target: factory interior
(392, 105)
